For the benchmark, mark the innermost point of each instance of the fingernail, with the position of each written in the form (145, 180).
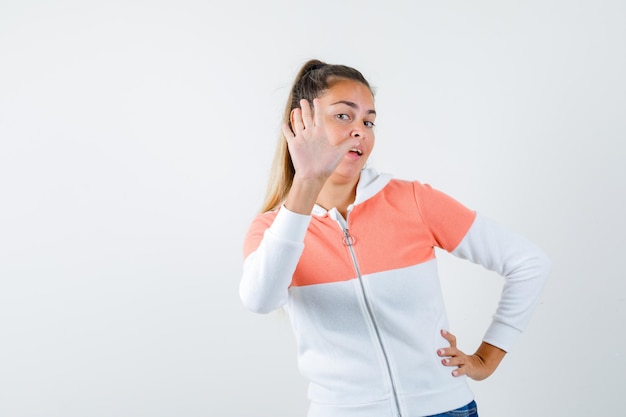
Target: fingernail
(444, 332)
(446, 361)
(455, 373)
(441, 352)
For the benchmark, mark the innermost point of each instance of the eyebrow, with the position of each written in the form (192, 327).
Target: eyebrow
(353, 105)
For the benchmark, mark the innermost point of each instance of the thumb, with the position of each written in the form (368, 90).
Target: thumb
(350, 144)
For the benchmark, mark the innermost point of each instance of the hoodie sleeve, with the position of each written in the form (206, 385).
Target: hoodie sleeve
(524, 267)
(471, 236)
(271, 254)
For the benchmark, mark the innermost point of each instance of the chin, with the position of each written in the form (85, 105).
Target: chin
(347, 175)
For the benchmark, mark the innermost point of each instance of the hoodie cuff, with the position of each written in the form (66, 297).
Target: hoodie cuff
(501, 335)
(290, 226)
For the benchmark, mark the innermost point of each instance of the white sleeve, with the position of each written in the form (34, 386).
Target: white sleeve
(267, 272)
(524, 267)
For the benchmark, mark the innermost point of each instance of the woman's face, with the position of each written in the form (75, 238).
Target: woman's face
(348, 111)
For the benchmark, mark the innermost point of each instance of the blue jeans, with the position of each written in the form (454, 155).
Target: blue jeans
(469, 410)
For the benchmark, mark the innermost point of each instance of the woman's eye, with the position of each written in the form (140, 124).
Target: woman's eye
(342, 116)
(369, 124)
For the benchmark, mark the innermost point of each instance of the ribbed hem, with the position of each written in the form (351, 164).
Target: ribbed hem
(436, 403)
(385, 408)
(411, 405)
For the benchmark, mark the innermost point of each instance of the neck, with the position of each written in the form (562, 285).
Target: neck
(337, 194)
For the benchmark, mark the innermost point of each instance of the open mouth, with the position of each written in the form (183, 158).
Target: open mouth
(357, 151)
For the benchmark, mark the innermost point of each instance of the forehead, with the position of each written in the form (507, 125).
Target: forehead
(349, 90)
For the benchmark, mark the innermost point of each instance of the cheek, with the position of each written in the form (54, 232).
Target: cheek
(336, 134)
(372, 142)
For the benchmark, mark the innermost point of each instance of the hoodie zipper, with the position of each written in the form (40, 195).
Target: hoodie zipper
(348, 241)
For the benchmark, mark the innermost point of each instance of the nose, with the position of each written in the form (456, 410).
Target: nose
(358, 131)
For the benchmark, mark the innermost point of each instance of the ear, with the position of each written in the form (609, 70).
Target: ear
(291, 119)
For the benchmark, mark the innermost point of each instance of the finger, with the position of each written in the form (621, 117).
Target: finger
(287, 132)
(460, 364)
(460, 360)
(345, 146)
(449, 337)
(448, 352)
(296, 120)
(317, 115)
(307, 114)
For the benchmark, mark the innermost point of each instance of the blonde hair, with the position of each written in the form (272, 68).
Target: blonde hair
(313, 79)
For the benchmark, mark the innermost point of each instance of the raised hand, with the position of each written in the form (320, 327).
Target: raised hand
(478, 366)
(313, 156)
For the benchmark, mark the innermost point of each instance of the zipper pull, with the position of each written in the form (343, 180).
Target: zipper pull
(348, 239)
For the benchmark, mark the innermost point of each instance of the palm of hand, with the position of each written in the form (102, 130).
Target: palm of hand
(313, 156)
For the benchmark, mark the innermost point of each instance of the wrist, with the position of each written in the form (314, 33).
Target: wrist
(303, 194)
(309, 180)
(490, 355)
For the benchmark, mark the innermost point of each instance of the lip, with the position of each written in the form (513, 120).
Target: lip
(357, 150)
(354, 156)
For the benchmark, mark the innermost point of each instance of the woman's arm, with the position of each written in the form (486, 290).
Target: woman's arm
(271, 256)
(523, 265)
(525, 269)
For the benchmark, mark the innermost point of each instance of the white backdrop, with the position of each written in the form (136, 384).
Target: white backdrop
(136, 138)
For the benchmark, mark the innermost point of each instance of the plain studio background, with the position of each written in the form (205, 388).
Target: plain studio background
(136, 139)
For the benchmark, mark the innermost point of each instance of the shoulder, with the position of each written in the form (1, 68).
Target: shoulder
(264, 219)
(257, 228)
(411, 189)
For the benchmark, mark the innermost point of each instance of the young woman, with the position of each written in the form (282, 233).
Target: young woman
(349, 253)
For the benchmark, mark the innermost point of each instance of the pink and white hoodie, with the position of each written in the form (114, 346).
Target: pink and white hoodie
(364, 297)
